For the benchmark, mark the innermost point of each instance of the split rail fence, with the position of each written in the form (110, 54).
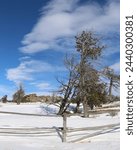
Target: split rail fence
(63, 132)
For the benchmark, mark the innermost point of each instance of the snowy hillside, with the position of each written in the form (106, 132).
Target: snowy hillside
(34, 132)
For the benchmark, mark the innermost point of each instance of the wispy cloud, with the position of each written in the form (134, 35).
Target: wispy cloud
(27, 70)
(41, 85)
(62, 19)
(116, 67)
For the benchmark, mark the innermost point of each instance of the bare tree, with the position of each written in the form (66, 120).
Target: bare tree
(68, 89)
(18, 95)
(114, 79)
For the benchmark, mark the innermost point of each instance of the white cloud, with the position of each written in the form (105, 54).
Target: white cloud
(116, 67)
(63, 18)
(28, 68)
(33, 47)
(24, 58)
(41, 85)
(41, 88)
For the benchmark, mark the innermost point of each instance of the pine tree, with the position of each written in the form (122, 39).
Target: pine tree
(90, 49)
(83, 85)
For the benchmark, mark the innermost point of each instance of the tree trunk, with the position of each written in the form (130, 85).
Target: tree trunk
(110, 88)
(62, 107)
(91, 105)
(77, 107)
(85, 107)
(64, 133)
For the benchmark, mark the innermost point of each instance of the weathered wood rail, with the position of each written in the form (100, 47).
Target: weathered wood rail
(63, 132)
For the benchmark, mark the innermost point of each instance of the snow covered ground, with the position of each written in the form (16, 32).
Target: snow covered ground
(28, 132)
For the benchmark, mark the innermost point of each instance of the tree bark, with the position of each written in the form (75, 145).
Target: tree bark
(64, 133)
(85, 107)
(77, 107)
(110, 87)
(61, 110)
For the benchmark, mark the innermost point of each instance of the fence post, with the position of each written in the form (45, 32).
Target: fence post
(64, 132)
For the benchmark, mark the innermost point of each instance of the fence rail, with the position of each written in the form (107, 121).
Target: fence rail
(63, 132)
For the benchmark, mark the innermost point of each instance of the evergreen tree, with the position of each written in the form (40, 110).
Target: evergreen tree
(90, 49)
(83, 85)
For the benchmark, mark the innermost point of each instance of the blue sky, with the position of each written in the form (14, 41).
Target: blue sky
(35, 35)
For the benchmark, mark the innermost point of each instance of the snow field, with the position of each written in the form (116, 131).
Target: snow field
(39, 138)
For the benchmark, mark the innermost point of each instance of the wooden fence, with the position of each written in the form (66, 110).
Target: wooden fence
(63, 132)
